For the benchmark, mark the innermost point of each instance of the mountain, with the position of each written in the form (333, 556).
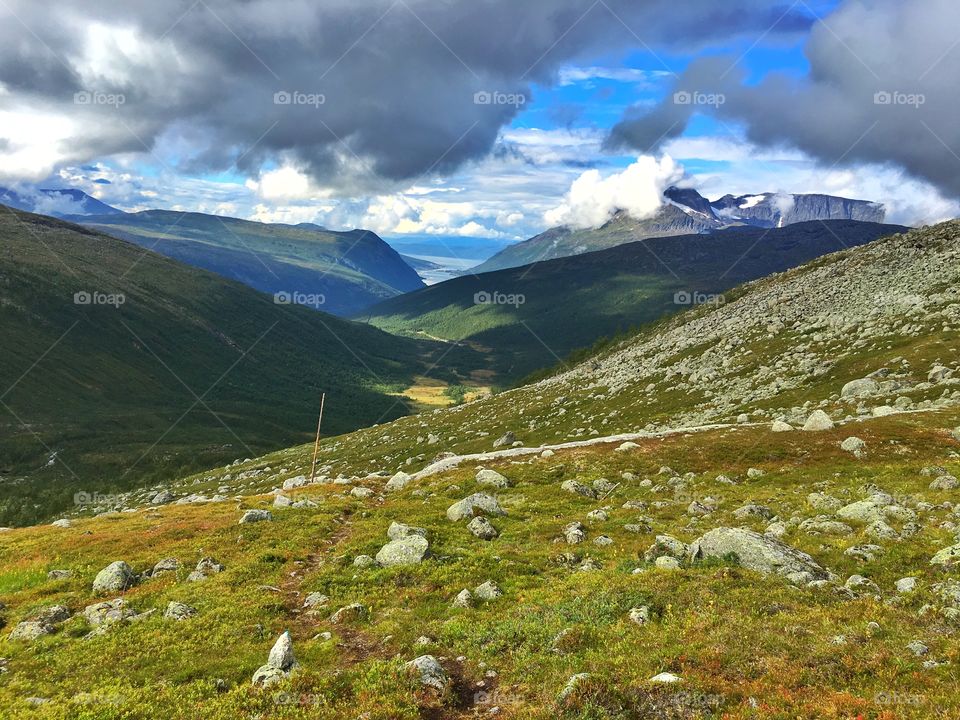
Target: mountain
(684, 211)
(62, 203)
(528, 317)
(120, 366)
(699, 565)
(339, 272)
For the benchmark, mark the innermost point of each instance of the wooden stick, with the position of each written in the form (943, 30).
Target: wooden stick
(316, 447)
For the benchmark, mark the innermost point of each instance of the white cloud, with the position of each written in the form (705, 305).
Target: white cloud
(638, 190)
(647, 78)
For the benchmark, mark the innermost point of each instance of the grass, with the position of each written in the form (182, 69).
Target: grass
(747, 646)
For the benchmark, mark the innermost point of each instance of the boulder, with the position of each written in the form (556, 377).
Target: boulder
(115, 577)
(31, 630)
(255, 516)
(855, 446)
(350, 613)
(948, 557)
(398, 482)
(398, 531)
(578, 488)
(109, 612)
(819, 421)
(506, 440)
(476, 504)
(178, 611)
(666, 546)
(755, 552)
(492, 478)
(860, 388)
(779, 426)
(280, 663)
(409, 550)
(483, 529)
(166, 565)
(163, 497)
(206, 567)
(429, 672)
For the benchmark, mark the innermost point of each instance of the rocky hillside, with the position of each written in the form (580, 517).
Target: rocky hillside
(570, 303)
(566, 550)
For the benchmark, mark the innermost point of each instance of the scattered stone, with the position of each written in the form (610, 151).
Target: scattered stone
(350, 613)
(430, 672)
(506, 440)
(666, 678)
(483, 528)
(492, 478)
(116, 577)
(361, 493)
(31, 630)
(906, 585)
(948, 557)
(406, 551)
(824, 525)
(578, 488)
(573, 684)
(575, 533)
(917, 648)
(282, 501)
(627, 446)
(864, 553)
(464, 599)
(280, 663)
(178, 611)
(398, 482)
(640, 615)
(488, 591)
(945, 482)
(363, 561)
(59, 574)
(164, 566)
(476, 504)
(598, 516)
(666, 545)
(665, 562)
(862, 586)
(854, 445)
(315, 599)
(860, 388)
(819, 421)
(398, 531)
(205, 568)
(753, 511)
(781, 427)
(164, 497)
(62, 523)
(755, 552)
(603, 541)
(255, 516)
(108, 613)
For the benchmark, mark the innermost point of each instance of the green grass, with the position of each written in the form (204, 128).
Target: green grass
(747, 646)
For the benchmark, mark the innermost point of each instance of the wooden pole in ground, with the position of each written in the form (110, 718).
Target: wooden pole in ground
(316, 447)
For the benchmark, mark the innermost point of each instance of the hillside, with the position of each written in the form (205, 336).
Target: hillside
(731, 570)
(165, 369)
(570, 303)
(62, 202)
(339, 272)
(685, 211)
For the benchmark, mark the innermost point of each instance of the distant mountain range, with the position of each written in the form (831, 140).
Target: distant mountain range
(61, 203)
(338, 272)
(531, 316)
(685, 211)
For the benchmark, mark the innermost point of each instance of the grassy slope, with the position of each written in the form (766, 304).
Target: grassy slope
(746, 646)
(352, 269)
(572, 302)
(118, 381)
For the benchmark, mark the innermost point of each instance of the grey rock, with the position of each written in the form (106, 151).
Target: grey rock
(575, 533)
(406, 551)
(109, 612)
(350, 613)
(506, 440)
(476, 504)
(30, 630)
(492, 479)
(488, 591)
(163, 497)
(429, 672)
(753, 511)
(573, 684)
(483, 529)
(166, 565)
(464, 599)
(860, 388)
(255, 516)
(178, 611)
(59, 574)
(640, 615)
(818, 421)
(363, 561)
(315, 600)
(948, 557)
(578, 488)
(666, 545)
(398, 531)
(906, 585)
(398, 482)
(755, 552)
(854, 445)
(116, 577)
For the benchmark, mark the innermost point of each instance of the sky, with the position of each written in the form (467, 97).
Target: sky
(492, 119)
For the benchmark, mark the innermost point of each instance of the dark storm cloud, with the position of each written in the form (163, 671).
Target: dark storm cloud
(388, 90)
(884, 87)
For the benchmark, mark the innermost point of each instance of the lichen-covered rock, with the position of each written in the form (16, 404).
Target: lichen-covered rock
(115, 577)
(429, 672)
(410, 550)
(476, 504)
(755, 552)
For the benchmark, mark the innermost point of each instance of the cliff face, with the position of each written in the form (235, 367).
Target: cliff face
(770, 210)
